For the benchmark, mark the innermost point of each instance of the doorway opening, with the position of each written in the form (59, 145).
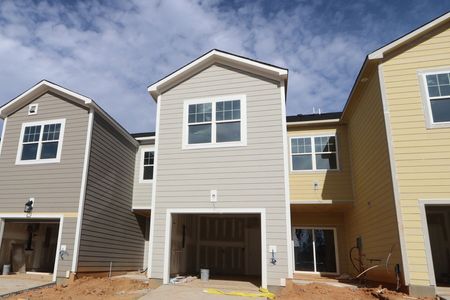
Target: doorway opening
(228, 245)
(438, 222)
(29, 246)
(315, 250)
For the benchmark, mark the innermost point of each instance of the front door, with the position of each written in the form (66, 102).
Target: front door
(315, 250)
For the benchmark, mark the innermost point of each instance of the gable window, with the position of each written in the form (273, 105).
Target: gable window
(219, 121)
(438, 94)
(314, 153)
(40, 142)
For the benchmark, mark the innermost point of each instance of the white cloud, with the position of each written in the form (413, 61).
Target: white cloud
(113, 52)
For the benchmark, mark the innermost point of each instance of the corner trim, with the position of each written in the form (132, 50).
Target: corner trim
(3, 135)
(387, 122)
(76, 247)
(286, 159)
(153, 200)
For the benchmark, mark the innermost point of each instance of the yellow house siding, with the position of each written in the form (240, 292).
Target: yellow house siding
(334, 184)
(373, 215)
(422, 155)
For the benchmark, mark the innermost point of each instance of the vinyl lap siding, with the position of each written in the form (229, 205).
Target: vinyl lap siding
(110, 231)
(373, 215)
(245, 177)
(334, 184)
(422, 155)
(55, 186)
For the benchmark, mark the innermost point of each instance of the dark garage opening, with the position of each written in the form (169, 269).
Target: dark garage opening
(438, 221)
(29, 245)
(229, 245)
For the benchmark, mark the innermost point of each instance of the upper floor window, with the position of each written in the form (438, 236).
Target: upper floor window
(40, 142)
(147, 163)
(219, 121)
(436, 89)
(314, 153)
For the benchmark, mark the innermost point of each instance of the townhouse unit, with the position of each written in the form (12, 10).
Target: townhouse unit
(230, 184)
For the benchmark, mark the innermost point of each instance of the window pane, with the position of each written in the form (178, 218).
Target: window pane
(51, 132)
(301, 145)
(445, 90)
(148, 172)
(443, 79)
(325, 250)
(228, 132)
(302, 162)
(433, 91)
(149, 157)
(31, 134)
(29, 151)
(201, 112)
(326, 161)
(432, 80)
(199, 134)
(49, 150)
(441, 110)
(303, 250)
(228, 110)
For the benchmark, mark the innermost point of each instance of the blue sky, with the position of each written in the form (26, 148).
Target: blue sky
(112, 50)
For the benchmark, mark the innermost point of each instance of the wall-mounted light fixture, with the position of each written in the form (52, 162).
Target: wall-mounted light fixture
(29, 206)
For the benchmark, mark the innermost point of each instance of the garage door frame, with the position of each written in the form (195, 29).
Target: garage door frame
(168, 233)
(24, 216)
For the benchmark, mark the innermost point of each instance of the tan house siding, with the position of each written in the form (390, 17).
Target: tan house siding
(373, 216)
(251, 176)
(110, 232)
(422, 155)
(55, 186)
(333, 184)
(142, 191)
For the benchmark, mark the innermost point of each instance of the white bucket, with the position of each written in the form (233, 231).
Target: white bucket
(204, 274)
(6, 269)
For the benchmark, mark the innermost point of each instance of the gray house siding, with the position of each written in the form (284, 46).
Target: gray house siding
(245, 177)
(110, 232)
(55, 186)
(142, 192)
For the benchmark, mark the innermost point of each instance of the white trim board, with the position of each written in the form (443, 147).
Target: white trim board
(426, 236)
(37, 216)
(168, 230)
(3, 135)
(394, 178)
(87, 151)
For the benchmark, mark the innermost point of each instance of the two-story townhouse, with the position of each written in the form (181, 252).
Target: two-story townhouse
(67, 173)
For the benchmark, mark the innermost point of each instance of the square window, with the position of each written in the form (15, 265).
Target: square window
(29, 151)
(228, 132)
(302, 162)
(438, 86)
(440, 109)
(199, 134)
(314, 153)
(49, 150)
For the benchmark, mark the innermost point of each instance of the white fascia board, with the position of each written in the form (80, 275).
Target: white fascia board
(300, 123)
(215, 54)
(36, 91)
(378, 54)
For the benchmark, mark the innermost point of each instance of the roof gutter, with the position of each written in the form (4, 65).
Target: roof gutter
(306, 123)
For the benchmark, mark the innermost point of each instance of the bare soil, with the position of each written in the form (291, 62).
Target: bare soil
(90, 288)
(316, 291)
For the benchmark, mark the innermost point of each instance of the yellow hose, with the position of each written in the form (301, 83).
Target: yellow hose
(263, 293)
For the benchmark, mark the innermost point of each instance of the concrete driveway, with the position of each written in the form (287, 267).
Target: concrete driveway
(194, 290)
(15, 283)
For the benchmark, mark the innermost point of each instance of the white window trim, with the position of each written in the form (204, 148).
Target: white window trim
(213, 144)
(141, 163)
(38, 160)
(36, 105)
(336, 250)
(426, 103)
(313, 153)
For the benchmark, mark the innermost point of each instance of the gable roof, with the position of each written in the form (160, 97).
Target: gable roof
(376, 56)
(45, 86)
(207, 59)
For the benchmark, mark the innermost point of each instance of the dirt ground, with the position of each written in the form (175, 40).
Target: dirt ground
(315, 291)
(90, 288)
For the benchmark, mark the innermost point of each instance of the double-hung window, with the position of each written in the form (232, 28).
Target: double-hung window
(147, 165)
(314, 153)
(40, 142)
(219, 121)
(437, 91)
